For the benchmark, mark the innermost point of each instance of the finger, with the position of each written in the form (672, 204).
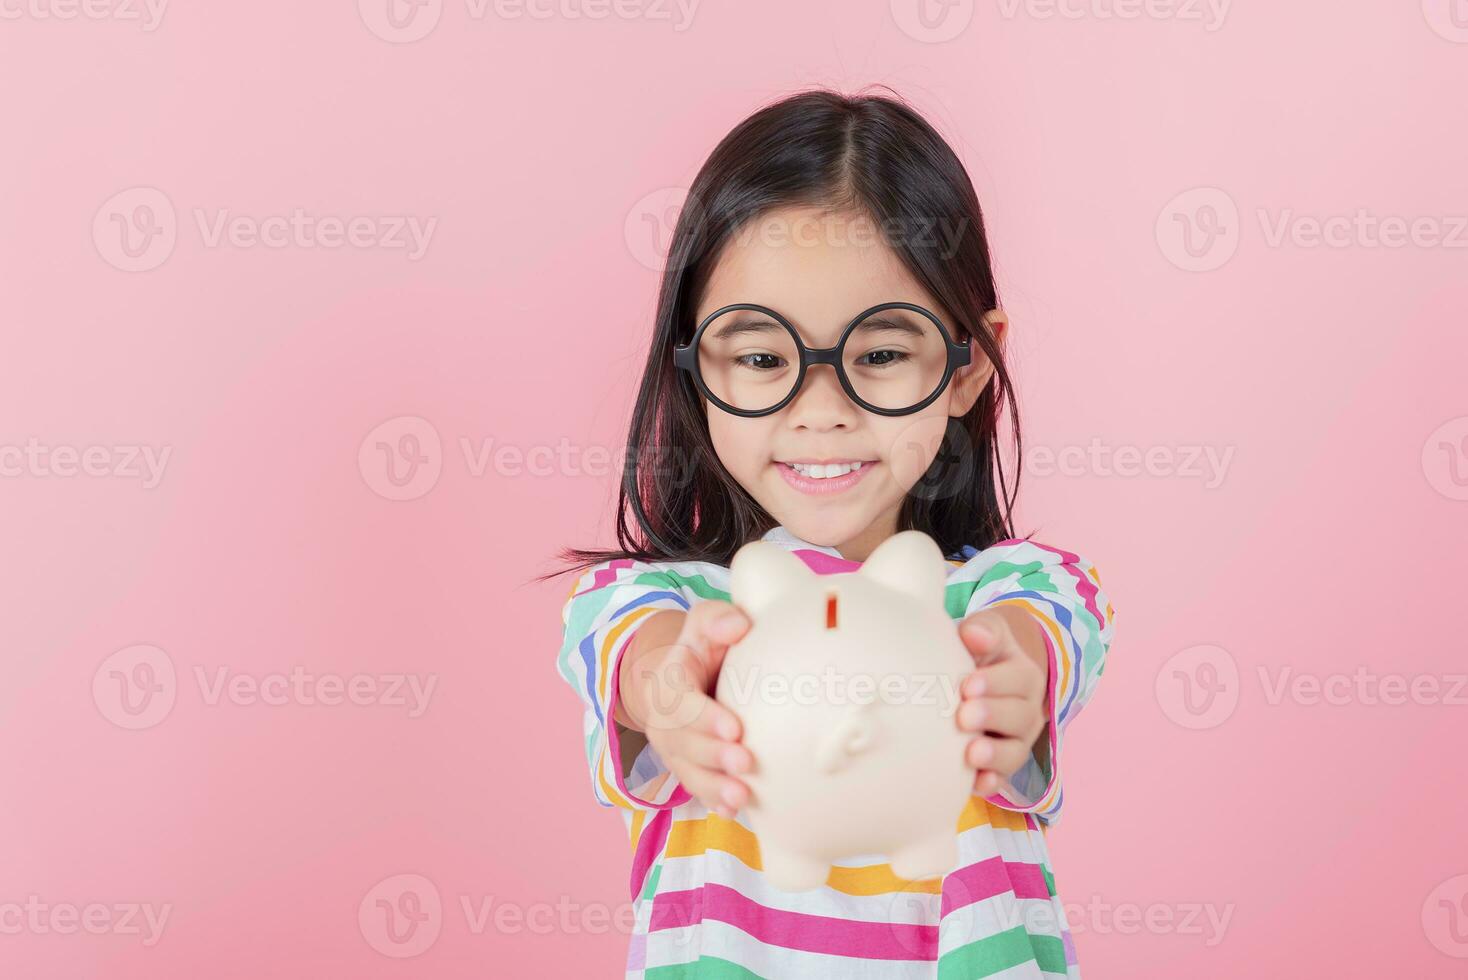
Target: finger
(673, 707)
(986, 782)
(1012, 717)
(726, 623)
(985, 636)
(1010, 677)
(1010, 755)
(713, 789)
(711, 752)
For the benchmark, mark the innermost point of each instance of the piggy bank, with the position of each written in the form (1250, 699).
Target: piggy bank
(847, 686)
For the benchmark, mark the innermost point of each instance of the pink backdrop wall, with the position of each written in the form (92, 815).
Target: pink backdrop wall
(1232, 241)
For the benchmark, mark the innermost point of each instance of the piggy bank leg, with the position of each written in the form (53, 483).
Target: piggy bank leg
(790, 871)
(928, 858)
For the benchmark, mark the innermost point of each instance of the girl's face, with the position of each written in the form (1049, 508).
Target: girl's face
(819, 269)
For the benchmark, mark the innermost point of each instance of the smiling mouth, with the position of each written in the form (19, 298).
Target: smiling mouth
(825, 477)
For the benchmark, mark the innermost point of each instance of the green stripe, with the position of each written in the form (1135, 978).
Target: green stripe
(704, 968)
(696, 584)
(651, 888)
(1002, 951)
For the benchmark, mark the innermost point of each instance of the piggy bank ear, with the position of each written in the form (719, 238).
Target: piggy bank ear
(909, 562)
(761, 571)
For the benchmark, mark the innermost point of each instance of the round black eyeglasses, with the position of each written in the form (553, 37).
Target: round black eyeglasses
(892, 359)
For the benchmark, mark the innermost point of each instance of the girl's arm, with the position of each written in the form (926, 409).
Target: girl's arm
(1052, 606)
(602, 616)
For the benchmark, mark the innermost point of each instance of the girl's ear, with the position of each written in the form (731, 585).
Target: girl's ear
(761, 572)
(969, 381)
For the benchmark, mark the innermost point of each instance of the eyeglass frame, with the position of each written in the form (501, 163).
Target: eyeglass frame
(685, 357)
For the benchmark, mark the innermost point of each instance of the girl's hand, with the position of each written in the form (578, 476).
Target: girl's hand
(667, 695)
(1004, 699)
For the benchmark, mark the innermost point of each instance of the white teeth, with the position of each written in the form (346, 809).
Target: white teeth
(824, 471)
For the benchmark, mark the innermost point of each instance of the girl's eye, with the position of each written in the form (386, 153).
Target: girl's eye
(882, 358)
(760, 362)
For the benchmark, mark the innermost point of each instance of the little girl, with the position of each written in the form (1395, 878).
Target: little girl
(826, 370)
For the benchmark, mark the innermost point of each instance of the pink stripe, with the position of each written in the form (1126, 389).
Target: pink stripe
(649, 846)
(1085, 588)
(986, 879)
(606, 575)
(796, 930)
(824, 564)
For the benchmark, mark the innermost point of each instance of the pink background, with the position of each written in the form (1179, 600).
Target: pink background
(1330, 835)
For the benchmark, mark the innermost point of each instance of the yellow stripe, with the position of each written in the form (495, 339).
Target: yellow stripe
(611, 641)
(635, 831)
(690, 838)
(980, 812)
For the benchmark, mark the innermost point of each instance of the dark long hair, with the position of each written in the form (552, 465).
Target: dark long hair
(869, 154)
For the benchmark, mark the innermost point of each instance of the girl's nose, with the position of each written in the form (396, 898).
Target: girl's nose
(821, 402)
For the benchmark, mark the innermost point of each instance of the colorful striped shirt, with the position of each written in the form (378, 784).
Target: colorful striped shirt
(702, 907)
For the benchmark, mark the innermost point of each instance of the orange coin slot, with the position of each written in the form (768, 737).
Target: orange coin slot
(831, 611)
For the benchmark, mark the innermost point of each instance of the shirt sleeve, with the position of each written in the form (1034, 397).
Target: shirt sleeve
(1063, 591)
(600, 617)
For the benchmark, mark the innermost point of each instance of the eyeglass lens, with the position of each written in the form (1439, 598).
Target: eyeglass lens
(893, 358)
